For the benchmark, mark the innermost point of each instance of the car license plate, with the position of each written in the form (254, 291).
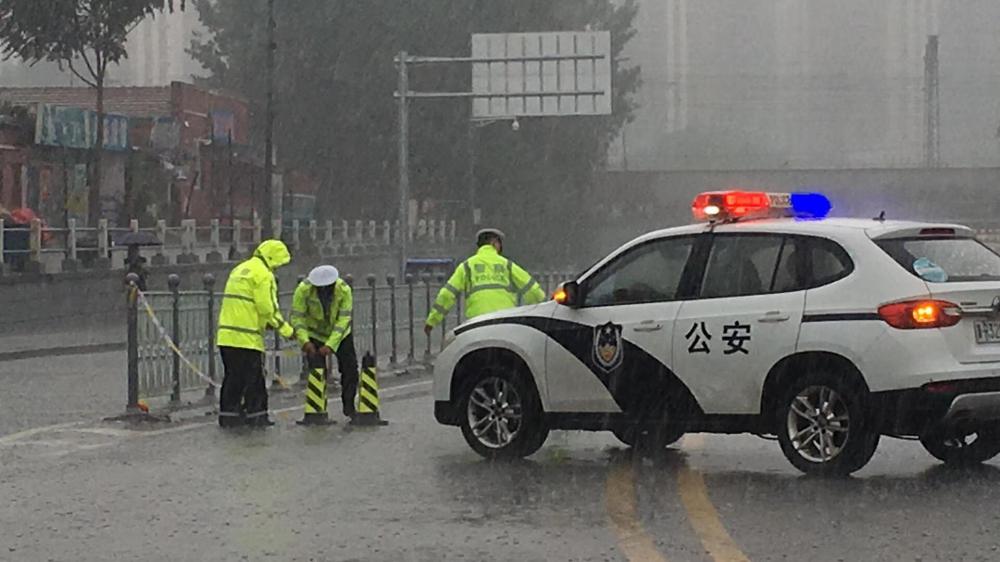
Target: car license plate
(987, 331)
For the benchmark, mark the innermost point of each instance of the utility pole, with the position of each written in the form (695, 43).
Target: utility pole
(932, 104)
(404, 158)
(269, 126)
(229, 174)
(624, 149)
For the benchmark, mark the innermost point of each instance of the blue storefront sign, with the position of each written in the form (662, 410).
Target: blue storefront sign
(73, 127)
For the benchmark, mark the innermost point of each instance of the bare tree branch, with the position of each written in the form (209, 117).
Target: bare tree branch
(82, 51)
(83, 78)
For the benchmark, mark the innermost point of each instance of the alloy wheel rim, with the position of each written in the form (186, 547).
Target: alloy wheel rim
(494, 412)
(962, 442)
(818, 424)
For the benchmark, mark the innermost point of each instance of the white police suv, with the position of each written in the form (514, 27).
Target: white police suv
(765, 318)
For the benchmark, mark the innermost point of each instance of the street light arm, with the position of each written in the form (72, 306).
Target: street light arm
(482, 95)
(484, 60)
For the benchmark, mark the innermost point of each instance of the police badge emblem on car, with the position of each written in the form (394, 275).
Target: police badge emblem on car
(608, 349)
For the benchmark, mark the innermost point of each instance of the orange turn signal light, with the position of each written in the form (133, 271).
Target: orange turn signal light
(926, 313)
(917, 314)
(560, 295)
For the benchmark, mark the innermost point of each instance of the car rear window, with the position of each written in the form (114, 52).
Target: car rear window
(944, 260)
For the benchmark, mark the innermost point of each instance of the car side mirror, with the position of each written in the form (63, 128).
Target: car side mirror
(567, 294)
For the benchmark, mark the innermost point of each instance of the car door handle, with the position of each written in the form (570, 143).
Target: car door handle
(648, 326)
(774, 316)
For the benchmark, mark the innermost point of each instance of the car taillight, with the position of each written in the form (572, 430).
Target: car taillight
(941, 387)
(912, 315)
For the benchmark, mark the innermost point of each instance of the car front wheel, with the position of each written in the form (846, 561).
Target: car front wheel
(962, 449)
(502, 415)
(823, 426)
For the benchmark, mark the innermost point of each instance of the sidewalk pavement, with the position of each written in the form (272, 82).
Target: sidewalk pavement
(62, 341)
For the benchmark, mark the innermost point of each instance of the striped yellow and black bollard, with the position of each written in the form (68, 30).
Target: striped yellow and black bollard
(315, 409)
(368, 403)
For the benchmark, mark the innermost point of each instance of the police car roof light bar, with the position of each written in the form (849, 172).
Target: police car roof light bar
(732, 205)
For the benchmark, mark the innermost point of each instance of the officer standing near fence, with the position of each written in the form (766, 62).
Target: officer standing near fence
(321, 314)
(249, 306)
(489, 281)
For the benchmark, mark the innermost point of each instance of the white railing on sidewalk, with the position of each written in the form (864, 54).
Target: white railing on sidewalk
(36, 247)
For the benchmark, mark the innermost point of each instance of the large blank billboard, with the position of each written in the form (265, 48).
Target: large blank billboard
(533, 74)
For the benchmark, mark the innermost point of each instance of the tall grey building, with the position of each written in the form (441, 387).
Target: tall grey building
(731, 84)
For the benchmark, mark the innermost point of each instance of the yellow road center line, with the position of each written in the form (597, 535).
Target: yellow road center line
(702, 514)
(620, 499)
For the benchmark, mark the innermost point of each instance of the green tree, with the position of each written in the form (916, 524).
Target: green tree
(85, 36)
(336, 116)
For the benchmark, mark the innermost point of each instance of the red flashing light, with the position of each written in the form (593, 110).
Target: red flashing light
(730, 204)
(740, 204)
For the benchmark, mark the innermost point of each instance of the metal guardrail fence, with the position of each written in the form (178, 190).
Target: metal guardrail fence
(171, 334)
(92, 246)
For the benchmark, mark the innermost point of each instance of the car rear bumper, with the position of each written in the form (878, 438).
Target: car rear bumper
(935, 405)
(977, 407)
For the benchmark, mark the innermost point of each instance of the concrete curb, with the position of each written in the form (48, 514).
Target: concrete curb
(407, 387)
(84, 349)
(57, 351)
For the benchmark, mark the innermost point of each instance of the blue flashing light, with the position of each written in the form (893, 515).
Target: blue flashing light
(810, 205)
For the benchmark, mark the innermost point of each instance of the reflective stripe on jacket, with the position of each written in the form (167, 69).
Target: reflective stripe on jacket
(250, 301)
(312, 322)
(489, 282)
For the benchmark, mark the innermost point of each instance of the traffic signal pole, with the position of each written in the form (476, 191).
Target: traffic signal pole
(403, 97)
(268, 202)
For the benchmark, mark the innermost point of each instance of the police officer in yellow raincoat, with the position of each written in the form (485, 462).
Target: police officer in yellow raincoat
(489, 282)
(249, 307)
(321, 313)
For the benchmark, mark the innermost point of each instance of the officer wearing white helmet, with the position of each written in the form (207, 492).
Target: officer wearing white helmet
(321, 314)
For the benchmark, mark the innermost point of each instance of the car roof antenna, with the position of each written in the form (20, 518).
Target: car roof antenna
(881, 217)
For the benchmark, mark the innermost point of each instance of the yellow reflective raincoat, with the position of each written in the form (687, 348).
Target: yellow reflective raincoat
(490, 282)
(329, 326)
(250, 301)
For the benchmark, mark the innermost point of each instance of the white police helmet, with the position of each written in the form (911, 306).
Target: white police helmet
(323, 275)
(485, 235)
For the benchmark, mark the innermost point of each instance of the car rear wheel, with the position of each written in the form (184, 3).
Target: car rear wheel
(502, 415)
(962, 449)
(823, 427)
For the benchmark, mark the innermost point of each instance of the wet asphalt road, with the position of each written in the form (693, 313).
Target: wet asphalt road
(414, 491)
(50, 390)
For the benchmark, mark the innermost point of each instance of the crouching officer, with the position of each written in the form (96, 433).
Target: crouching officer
(489, 281)
(249, 306)
(321, 314)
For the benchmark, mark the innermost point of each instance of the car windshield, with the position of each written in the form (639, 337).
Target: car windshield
(944, 260)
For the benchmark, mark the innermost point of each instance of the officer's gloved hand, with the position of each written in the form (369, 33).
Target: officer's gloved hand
(309, 348)
(325, 351)
(428, 329)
